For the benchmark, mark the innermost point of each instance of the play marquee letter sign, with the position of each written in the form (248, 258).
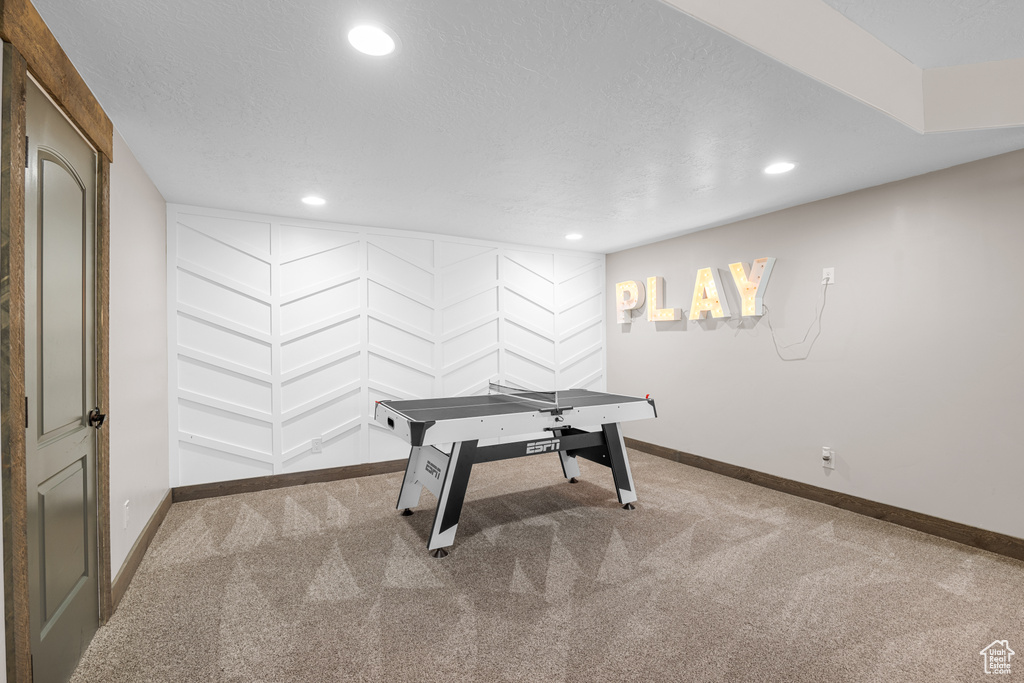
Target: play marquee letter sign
(707, 298)
(656, 285)
(629, 295)
(751, 284)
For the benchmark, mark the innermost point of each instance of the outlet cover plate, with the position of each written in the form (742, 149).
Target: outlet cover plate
(830, 462)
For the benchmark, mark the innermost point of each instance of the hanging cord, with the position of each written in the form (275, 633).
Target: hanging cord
(819, 311)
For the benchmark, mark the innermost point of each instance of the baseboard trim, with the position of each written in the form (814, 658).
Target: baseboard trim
(1001, 544)
(279, 481)
(226, 488)
(138, 551)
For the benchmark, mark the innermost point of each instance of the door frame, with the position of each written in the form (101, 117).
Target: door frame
(30, 48)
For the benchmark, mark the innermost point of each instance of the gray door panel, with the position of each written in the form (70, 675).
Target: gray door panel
(60, 383)
(62, 264)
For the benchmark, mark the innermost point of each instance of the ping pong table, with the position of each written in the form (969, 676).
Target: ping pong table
(505, 412)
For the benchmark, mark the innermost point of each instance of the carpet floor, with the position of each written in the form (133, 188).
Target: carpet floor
(709, 579)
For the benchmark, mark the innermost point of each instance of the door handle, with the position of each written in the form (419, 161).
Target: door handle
(96, 418)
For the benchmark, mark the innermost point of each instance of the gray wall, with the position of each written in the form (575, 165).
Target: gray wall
(138, 350)
(915, 381)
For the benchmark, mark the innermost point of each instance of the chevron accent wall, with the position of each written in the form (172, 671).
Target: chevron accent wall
(283, 331)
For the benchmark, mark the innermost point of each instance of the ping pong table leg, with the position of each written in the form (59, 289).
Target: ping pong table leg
(409, 497)
(619, 461)
(570, 465)
(453, 493)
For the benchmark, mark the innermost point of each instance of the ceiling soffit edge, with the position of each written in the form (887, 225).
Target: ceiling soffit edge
(820, 42)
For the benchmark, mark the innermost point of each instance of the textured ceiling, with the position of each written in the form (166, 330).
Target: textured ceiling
(937, 33)
(521, 121)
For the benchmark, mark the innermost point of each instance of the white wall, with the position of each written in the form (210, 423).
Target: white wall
(138, 350)
(916, 378)
(283, 330)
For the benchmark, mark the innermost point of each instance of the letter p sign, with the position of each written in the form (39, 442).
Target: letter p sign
(629, 295)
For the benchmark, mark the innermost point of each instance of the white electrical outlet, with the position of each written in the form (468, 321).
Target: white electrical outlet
(828, 276)
(828, 458)
(318, 445)
(127, 504)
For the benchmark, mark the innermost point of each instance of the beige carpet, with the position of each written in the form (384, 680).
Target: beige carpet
(709, 579)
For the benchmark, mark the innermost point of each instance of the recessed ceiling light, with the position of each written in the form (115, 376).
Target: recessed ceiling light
(781, 167)
(372, 40)
(314, 201)
(574, 236)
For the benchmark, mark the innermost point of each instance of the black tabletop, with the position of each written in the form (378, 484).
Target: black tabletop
(453, 408)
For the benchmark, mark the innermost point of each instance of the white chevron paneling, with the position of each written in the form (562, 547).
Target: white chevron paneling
(251, 235)
(528, 312)
(469, 276)
(528, 343)
(214, 463)
(474, 309)
(222, 257)
(458, 348)
(528, 373)
(221, 383)
(221, 343)
(306, 273)
(390, 340)
(528, 284)
(582, 370)
(219, 300)
(224, 425)
(318, 307)
(302, 353)
(469, 377)
(283, 331)
(400, 306)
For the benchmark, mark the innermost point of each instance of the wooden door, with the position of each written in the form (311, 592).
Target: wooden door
(60, 386)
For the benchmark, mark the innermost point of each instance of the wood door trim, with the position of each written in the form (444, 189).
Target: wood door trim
(12, 327)
(21, 25)
(102, 331)
(12, 369)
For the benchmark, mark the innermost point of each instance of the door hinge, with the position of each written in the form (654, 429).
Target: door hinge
(26, 151)
(26, 412)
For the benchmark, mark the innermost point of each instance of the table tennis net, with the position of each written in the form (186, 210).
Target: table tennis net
(542, 398)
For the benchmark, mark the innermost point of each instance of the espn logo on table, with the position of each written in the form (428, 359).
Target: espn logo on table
(432, 469)
(545, 446)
